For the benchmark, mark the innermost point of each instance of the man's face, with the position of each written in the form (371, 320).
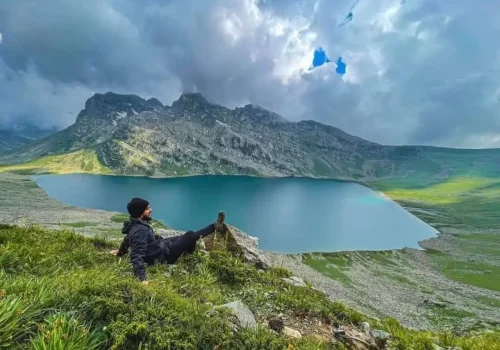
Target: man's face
(147, 214)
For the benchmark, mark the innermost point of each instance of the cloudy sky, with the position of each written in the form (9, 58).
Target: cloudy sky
(391, 71)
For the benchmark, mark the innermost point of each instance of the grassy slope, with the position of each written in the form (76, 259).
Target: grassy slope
(457, 192)
(81, 161)
(466, 209)
(87, 299)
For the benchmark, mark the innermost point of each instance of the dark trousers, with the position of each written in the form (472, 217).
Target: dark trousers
(185, 243)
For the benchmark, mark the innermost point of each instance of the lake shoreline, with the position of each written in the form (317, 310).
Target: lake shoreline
(425, 244)
(296, 215)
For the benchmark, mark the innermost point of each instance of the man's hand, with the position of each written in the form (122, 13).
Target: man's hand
(114, 252)
(146, 283)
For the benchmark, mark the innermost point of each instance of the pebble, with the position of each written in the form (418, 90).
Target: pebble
(289, 332)
(378, 334)
(365, 326)
(295, 281)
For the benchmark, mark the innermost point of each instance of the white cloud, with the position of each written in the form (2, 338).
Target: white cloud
(1, 37)
(418, 71)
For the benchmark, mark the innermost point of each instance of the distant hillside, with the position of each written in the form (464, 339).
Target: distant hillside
(133, 136)
(21, 135)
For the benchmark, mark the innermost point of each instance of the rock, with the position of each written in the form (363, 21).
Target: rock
(296, 281)
(292, 333)
(202, 245)
(320, 291)
(380, 335)
(261, 271)
(250, 249)
(276, 324)
(242, 313)
(365, 326)
(434, 303)
(239, 244)
(340, 331)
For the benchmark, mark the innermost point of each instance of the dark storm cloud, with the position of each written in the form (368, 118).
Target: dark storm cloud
(416, 71)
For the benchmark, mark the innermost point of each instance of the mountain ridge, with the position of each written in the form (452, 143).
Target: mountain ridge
(19, 135)
(134, 136)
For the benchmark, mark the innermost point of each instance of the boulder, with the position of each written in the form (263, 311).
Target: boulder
(250, 249)
(235, 241)
(239, 243)
(245, 317)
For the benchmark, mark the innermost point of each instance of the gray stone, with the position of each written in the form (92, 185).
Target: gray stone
(380, 335)
(296, 281)
(339, 331)
(245, 317)
(250, 248)
(292, 333)
(201, 243)
(432, 302)
(365, 326)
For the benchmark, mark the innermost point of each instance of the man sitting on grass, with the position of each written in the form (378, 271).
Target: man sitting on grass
(148, 248)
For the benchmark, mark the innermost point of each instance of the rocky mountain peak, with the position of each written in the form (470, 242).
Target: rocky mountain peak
(111, 100)
(190, 102)
(154, 103)
(259, 114)
(111, 106)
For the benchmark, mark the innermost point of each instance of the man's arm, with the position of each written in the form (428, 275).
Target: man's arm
(123, 247)
(138, 243)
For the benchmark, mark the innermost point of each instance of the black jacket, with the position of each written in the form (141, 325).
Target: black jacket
(147, 248)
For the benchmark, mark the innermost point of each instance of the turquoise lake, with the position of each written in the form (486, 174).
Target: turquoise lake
(289, 215)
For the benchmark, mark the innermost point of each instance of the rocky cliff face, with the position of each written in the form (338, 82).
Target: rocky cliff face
(135, 136)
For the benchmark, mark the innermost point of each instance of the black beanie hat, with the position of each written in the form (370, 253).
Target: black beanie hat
(136, 207)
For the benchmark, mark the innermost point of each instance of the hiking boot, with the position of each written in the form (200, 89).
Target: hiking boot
(220, 227)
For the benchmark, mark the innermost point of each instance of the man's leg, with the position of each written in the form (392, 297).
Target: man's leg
(186, 243)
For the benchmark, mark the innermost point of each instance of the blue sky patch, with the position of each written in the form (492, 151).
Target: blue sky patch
(319, 58)
(341, 66)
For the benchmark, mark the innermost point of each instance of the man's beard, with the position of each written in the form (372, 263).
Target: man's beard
(147, 218)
